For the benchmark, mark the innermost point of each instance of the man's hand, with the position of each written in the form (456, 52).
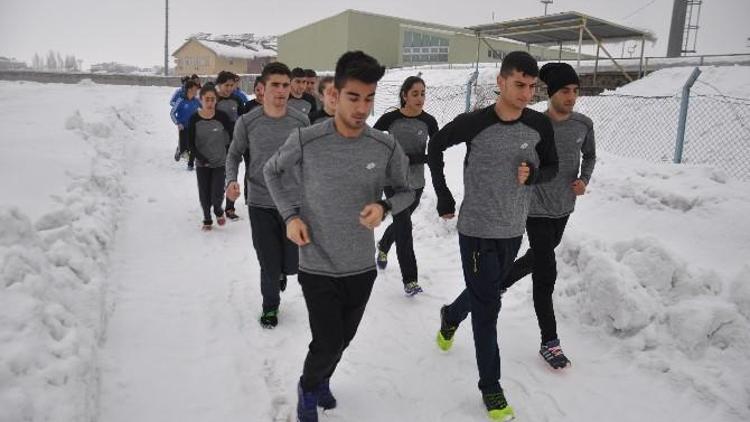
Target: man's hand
(523, 173)
(296, 231)
(371, 215)
(180, 127)
(233, 191)
(447, 217)
(579, 187)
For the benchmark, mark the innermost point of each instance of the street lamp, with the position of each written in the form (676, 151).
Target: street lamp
(546, 3)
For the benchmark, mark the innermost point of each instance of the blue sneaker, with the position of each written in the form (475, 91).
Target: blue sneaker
(325, 397)
(307, 405)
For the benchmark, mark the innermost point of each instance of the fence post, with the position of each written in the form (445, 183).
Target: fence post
(682, 122)
(472, 79)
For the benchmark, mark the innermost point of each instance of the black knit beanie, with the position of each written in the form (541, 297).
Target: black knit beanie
(557, 75)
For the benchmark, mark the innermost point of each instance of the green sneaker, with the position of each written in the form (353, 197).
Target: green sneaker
(497, 407)
(270, 319)
(446, 332)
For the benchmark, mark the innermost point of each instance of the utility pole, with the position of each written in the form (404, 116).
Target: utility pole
(166, 38)
(546, 3)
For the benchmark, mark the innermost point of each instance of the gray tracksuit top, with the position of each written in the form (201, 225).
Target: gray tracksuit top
(494, 205)
(412, 134)
(262, 136)
(304, 104)
(208, 139)
(573, 137)
(232, 106)
(339, 176)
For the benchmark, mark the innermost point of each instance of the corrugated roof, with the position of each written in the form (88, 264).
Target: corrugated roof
(560, 27)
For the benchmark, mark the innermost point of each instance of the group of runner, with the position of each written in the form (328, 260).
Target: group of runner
(318, 180)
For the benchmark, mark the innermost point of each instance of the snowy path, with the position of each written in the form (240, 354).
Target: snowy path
(183, 343)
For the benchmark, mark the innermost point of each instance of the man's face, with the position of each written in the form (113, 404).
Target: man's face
(310, 88)
(258, 90)
(517, 89)
(276, 90)
(329, 96)
(299, 85)
(354, 102)
(564, 99)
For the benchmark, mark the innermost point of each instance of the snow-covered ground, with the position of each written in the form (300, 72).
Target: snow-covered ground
(115, 307)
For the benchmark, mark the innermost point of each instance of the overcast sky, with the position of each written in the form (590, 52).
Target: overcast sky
(132, 31)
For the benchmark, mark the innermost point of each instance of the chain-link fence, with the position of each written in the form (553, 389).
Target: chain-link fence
(717, 131)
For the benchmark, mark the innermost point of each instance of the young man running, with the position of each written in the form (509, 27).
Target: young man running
(299, 98)
(509, 147)
(232, 105)
(325, 89)
(260, 133)
(344, 165)
(553, 202)
(258, 91)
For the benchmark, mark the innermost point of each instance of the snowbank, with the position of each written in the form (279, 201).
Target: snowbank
(733, 81)
(53, 269)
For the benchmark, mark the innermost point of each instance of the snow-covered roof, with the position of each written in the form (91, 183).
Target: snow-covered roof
(242, 46)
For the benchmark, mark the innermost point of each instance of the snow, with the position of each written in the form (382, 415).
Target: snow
(116, 307)
(238, 52)
(733, 81)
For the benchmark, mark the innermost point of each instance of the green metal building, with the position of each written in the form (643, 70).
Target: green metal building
(395, 42)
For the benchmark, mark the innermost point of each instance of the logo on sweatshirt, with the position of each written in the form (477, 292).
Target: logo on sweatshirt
(524, 145)
(216, 129)
(419, 133)
(370, 166)
(579, 140)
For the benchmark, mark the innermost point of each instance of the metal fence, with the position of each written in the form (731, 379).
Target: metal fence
(717, 130)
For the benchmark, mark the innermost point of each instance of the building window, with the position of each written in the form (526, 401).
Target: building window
(419, 48)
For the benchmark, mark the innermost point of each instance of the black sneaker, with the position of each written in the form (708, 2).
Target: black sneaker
(446, 332)
(232, 215)
(382, 259)
(497, 406)
(270, 319)
(282, 282)
(552, 353)
(190, 167)
(177, 154)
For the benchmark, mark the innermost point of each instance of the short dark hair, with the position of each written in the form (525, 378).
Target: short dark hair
(275, 68)
(520, 61)
(357, 65)
(195, 77)
(325, 80)
(191, 84)
(183, 80)
(206, 88)
(309, 73)
(224, 76)
(258, 80)
(406, 86)
(298, 72)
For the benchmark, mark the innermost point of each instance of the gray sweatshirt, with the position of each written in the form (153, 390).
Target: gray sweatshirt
(208, 139)
(304, 104)
(232, 106)
(261, 136)
(339, 176)
(412, 134)
(495, 206)
(572, 137)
